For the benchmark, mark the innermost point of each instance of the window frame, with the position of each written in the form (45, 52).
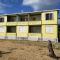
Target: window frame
(2, 19)
(49, 16)
(29, 31)
(50, 26)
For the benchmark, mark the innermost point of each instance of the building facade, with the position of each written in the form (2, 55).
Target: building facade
(33, 26)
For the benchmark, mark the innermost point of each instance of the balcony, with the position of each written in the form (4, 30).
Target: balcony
(34, 23)
(22, 23)
(11, 23)
(11, 20)
(35, 19)
(22, 20)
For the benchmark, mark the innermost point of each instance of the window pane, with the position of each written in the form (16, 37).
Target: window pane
(23, 29)
(49, 29)
(49, 16)
(2, 29)
(1, 19)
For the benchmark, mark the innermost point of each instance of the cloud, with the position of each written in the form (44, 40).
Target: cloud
(37, 4)
(32, 3)
(29, 2)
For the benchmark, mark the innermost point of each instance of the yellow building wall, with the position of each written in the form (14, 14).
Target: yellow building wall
(22, 31)
(11, 23)
(35, 22)
(10, 34)
(52, 35)
(22, 23)
(54, 21)
(2, 30)
(35, 35)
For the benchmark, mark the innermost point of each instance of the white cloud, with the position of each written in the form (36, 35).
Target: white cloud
(32, 3)
(29, 2)
(35, 7)
(37, 4)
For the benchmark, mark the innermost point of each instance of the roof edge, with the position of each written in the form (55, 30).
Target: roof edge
(31, 12)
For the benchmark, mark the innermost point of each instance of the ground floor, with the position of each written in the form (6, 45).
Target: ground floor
(31, 32)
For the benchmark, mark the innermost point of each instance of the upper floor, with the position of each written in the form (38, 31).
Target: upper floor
(32, 18)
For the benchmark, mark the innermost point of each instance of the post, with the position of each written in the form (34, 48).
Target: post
(51, 51)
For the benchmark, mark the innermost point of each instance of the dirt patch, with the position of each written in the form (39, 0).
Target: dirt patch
(25, 51)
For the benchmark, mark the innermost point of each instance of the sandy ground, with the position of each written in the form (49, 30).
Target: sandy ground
(20, 51)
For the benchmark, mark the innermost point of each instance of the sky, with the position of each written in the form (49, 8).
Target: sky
(21, 6)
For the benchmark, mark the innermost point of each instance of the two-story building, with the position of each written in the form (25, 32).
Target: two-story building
(41, 25)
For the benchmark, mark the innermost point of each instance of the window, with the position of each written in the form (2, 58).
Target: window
(23, 28)
(35, 17)
(2, 29)
(11, 18)
(35, 29)
(1, 19)
(49, 16)
(11, 29)
(49, 29)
